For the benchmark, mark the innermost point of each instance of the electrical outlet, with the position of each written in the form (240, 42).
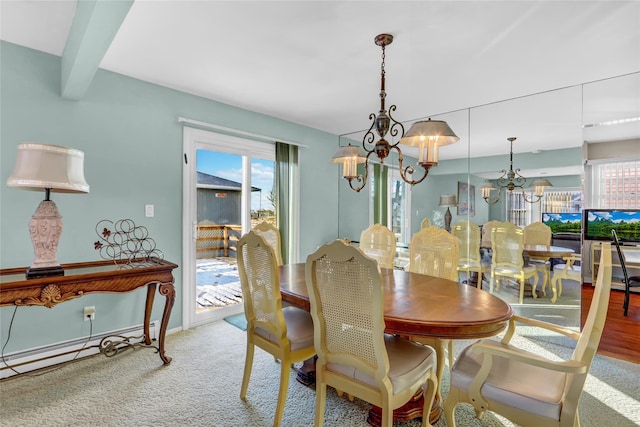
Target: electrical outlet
(89, 313)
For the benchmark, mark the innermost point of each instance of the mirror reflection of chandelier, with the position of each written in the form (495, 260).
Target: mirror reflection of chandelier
(426, 135)
(510, 180)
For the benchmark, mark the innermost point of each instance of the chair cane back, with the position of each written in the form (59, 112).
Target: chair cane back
(286, 333)
(379, 243)
(354, 353)
(271, 235)
(434, 251)
(468, 235)
(507, 260)
(529, 389)
(486, 233)
(538, 233)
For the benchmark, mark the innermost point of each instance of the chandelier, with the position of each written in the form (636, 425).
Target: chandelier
(427, 135)
(510, 180)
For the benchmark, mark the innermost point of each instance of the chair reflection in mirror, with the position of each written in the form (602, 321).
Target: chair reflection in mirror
(569, 270)
(507, 262)
(538, 233)
(379, 243)
(434, 251)
(469, 260)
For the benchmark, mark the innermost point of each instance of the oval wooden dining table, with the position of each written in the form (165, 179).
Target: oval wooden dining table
(420, 306)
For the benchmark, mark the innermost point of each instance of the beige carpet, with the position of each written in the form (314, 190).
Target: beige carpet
(202, 384)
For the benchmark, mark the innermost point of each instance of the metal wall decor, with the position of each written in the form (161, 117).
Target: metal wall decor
(123, 240)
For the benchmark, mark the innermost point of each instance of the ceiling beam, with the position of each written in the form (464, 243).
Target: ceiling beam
(95, 24)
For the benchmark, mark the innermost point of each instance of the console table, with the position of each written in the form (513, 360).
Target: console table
(95, 277)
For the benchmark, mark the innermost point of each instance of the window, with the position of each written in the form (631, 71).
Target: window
(616, 185)
(523, 213)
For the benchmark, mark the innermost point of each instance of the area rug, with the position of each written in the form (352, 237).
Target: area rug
(238, 320)
(201, 387)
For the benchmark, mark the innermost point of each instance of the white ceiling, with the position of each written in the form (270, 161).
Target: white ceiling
(315, 62)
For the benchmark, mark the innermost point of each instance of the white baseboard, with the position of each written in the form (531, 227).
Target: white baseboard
(42, 357)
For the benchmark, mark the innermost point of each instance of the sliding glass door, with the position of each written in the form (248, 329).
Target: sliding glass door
(228, 189)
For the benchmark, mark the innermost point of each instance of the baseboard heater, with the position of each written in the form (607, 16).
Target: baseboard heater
(40, 358)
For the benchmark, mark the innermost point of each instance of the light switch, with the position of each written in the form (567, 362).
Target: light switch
(148, 211)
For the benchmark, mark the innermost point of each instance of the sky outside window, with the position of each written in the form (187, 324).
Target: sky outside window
(229, 166)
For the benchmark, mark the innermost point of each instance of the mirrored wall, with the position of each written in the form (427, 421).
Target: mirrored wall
(551, 130)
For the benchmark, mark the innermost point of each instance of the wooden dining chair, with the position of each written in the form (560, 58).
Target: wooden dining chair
(485, 241)
(538, 233)
(469, 260)
(629, 281)
(378, 242)
(569, 270)
(286, 333)
(526, 388)
(506, 242)
(271, 235)
(354, 354)
(434, 251)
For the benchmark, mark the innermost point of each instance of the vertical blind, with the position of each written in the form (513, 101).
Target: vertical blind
(523, 213)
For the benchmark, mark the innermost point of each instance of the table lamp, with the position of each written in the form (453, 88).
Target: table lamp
(51, 168)
(448, 200)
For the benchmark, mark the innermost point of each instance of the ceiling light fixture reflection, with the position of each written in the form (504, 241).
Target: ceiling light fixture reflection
(510, 180)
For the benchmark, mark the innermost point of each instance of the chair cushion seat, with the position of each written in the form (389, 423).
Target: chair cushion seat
(473, 264)
(573, 273)
(514, 271)
(533, 389)
(407, 361)
(299, 329)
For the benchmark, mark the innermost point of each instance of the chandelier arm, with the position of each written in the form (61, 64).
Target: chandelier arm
(519, 179)
(409, 170)
(369, 137)
(495, 199)
(396, 128)
(531, 199)
(502, 181)
(360, 178)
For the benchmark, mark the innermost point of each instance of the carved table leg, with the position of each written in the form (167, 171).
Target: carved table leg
(307, 372)
(410, 410)
(169, 291)
(151, 292)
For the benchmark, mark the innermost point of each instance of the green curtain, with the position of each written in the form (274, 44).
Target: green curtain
(286, 172)
(380, 194)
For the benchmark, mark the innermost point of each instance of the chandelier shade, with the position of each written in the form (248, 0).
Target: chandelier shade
(350, 157)
(428, 135)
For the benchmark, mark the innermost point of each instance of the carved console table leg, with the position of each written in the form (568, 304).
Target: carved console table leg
(151, 292)
(169, 291)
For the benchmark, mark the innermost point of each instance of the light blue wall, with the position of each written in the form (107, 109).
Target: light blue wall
(132, 141)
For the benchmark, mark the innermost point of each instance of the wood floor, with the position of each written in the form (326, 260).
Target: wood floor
(621, 337)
